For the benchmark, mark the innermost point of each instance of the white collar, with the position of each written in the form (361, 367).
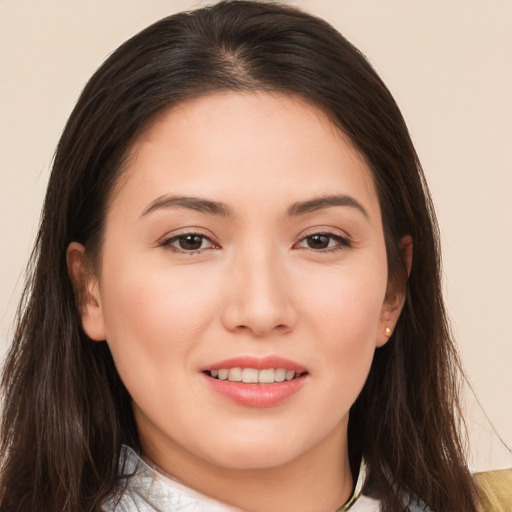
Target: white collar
(149, 490)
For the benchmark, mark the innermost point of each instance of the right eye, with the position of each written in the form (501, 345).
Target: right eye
(189, 243)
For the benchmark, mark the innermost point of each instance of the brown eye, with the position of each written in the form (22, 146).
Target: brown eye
(325, 242)
(189, 243)
(318, 241)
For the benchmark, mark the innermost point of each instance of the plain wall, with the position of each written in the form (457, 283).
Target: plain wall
(449, 66)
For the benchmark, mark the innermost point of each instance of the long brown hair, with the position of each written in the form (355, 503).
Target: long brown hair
(66, 412)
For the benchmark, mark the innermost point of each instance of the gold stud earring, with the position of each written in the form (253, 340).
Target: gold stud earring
(387, 332)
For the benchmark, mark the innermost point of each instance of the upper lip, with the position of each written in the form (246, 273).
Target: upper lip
(258, 363)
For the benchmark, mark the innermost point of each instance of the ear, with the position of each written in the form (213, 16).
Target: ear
(395, 296)
(87, 291)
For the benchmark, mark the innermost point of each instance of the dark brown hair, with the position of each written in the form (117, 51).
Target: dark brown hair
(66, 412)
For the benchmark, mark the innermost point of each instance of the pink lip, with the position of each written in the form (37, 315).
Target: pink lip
(258, 363)
(257, 395)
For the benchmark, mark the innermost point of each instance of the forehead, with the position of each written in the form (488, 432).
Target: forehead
(257, 144)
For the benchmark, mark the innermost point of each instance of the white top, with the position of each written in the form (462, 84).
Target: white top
(148, 490)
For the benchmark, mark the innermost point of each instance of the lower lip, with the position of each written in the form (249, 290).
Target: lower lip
(257, 395)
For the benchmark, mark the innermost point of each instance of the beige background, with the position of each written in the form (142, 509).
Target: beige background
(448, 65)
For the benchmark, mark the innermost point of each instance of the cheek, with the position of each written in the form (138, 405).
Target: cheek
(155, 319)
(154, 316)
(345, 312)
(346, 303)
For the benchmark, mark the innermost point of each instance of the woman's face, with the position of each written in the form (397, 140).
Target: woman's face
(244, 241)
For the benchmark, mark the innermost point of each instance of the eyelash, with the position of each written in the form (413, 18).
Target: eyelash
(168, 243)
(340, 243)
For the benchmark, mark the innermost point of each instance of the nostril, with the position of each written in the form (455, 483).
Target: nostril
(259, 313)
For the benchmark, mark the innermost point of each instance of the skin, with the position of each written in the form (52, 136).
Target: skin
(257, 286)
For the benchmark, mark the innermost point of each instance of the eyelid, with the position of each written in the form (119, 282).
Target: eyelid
(167, 240)
(344, 239)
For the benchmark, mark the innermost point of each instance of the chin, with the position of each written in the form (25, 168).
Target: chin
(254, 460)
(263, 452)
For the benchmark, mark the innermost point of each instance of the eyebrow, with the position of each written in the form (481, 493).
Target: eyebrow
(192, 203)
(217, 208)
(319, 203)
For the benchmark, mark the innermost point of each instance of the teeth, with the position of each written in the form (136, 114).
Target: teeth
(280, 374)
(253, 376)
(266, 375)
(249, 375)
(235, 375)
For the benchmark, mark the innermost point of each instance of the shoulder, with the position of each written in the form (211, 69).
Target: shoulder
(495, 490)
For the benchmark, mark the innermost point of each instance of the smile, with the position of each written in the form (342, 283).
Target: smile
(256, 382)
(254, 376)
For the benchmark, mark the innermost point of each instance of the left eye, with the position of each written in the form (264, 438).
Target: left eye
(323, 241)
(189, 242)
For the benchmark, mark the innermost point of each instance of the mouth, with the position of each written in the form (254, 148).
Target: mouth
(256, 382)
(253, 375)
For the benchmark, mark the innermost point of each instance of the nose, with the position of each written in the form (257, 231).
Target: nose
(259, 297)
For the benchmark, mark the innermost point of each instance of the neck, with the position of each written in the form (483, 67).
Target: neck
(317, 481)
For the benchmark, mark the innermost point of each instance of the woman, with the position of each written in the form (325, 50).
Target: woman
(235, 300)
